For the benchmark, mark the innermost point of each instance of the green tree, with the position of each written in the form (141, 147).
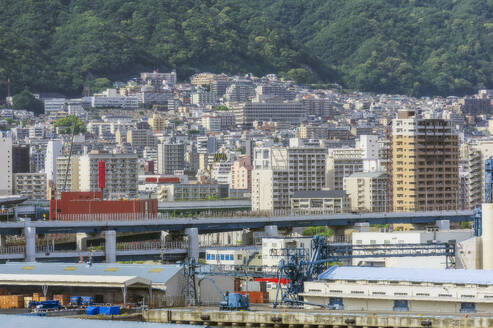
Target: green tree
(299, 75)
(221, 108)
(26, 100)
(68, 123)
(99, 84)
(318, 231)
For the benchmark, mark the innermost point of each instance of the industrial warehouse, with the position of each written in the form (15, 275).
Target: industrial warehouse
(155, 285)
(403, 290)
(105, 283)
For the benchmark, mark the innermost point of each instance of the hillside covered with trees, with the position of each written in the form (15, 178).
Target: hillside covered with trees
(416, 47)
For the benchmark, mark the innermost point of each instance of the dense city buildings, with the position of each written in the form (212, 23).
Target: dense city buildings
(206, 152)
(264, 137)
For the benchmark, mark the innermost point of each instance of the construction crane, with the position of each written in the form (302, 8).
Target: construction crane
(69, 154)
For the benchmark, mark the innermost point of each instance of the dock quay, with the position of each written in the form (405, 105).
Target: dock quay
(311, 319)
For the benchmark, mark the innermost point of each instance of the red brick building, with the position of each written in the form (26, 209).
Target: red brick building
(89, 206)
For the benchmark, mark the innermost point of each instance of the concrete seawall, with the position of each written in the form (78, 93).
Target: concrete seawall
(278, 319)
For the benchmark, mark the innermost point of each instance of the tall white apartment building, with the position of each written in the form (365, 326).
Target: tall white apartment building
(67, 174)
(121, 174)
(53, 150)
(342, 163)
(54, 105)
(278, 172)
(170, 157)
(369, 145)
(6, 164)
(288, 112)
(221, 172)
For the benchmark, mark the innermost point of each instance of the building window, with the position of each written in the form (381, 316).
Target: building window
(401, 305)
(468, 307)
(336, 303)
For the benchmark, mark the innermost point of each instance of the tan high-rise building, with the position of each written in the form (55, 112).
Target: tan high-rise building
(425, 164)
(157, 122)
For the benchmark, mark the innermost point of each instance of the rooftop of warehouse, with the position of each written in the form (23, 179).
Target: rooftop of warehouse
(157, 273)
(452, 276)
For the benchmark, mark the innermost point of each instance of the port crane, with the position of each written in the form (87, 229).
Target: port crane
(297, 266)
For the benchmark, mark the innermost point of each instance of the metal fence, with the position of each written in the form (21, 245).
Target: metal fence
(19, 249)
(112, 217)
(150, 245)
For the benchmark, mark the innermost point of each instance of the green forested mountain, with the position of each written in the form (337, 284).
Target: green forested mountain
(418, 47)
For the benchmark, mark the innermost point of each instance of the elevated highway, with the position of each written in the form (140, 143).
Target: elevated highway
(221, 224)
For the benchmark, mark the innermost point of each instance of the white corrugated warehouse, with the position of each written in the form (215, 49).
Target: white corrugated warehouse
(409, 290)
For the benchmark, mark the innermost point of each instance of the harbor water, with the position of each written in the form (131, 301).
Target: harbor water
(20, 321)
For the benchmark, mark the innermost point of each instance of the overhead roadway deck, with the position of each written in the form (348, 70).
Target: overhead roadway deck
(204, 205)
(206, 225)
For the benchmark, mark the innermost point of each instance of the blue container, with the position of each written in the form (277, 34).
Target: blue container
(87, 300)
(109, 310)
(92, 310)
(75, 300)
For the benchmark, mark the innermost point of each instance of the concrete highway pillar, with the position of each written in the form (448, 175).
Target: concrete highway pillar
(339, 234)
(443, 224)
(81, 241)
(193, 243)
(362, 227)
(271, 231)
(3, 241)
(30, 234)
(164, 237)
(110, 246)
(487, 236)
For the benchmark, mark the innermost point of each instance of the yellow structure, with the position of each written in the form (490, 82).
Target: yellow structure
(425, 164)
(157, 122)
(202, 79)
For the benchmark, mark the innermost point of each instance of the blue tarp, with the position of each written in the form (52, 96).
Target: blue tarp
(92, 310)
(87, 300)
(75, 300)
(109, 310)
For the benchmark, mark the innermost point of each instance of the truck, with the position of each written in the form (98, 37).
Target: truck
(45, 305)
(234, 302)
